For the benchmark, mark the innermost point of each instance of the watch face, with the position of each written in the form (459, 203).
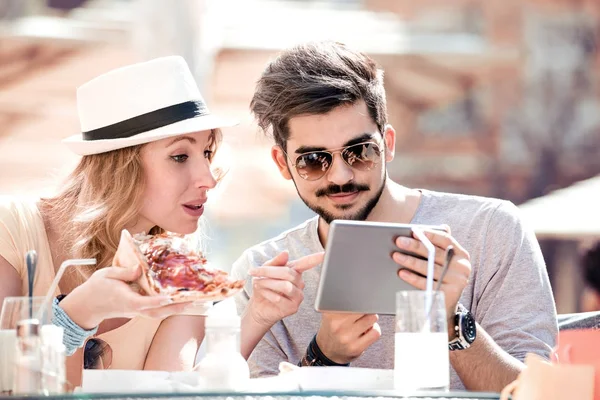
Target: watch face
(469, 329)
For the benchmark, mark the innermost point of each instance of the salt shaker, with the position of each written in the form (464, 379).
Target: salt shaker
(53, 359)
(223, 368)
(28, 360)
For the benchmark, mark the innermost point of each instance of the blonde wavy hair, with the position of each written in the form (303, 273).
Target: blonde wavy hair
(101, 197)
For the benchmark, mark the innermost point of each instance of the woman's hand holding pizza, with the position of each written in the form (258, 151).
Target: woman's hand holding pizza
(107, 294)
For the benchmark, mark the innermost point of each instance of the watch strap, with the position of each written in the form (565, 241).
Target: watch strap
(314, 357)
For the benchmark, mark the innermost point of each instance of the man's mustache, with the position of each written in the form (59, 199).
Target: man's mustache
(337, 189)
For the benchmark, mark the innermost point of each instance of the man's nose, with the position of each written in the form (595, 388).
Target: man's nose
(339, 173)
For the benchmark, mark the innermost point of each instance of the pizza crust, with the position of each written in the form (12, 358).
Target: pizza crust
(128, 255)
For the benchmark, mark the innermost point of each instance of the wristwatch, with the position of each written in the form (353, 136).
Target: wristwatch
(465, 329)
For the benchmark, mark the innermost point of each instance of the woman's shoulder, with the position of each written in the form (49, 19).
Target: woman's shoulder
(18, 211)
(19, 221)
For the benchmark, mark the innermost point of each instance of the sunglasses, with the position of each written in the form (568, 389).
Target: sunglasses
(97, 354)
(314, 165)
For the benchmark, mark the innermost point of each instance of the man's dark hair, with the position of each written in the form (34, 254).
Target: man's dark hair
(591, 267)
(315, 78)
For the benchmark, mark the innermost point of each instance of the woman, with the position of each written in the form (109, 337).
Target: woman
(147, 143)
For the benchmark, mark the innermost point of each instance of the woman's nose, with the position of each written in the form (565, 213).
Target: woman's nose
(204, 177)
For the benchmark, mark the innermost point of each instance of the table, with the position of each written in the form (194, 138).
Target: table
(337, 395)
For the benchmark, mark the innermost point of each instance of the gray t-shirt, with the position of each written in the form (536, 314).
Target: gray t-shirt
(508, 293)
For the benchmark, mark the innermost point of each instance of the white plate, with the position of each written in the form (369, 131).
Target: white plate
(122, 381)
(300, 379)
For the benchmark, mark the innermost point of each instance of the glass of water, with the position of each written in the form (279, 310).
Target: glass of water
(421, 360)
(15, 309)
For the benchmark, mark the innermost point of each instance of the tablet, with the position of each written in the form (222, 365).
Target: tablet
(359, 274)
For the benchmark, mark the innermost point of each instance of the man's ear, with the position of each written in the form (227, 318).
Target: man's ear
(281, 161)
(389, 135)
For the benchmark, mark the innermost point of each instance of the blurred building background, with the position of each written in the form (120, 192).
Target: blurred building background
(490, 97)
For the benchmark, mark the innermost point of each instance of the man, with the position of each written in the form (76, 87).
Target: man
(325, 106)
(590, 299)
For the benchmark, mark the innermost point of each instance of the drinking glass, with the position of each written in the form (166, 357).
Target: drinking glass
(421, 359)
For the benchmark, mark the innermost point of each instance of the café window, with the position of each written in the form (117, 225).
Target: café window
(461, 117)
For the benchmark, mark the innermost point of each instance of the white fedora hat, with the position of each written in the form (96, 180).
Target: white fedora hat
(140, 103)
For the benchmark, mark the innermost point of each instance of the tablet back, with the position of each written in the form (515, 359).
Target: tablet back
(359, 275)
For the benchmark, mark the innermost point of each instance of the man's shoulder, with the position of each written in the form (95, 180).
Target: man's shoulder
(306, 231)
(299, 240)
(469, 206)
(464, 199)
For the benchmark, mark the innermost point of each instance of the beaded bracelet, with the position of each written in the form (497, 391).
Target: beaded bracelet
(74, 336)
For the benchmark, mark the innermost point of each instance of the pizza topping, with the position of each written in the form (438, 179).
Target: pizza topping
(173, 267)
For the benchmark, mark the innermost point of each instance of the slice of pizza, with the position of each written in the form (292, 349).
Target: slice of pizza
(171, 268)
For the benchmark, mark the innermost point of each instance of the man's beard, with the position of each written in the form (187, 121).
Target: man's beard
(360, 215)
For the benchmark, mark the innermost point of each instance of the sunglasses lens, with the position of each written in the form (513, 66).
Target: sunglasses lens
(362, 156)
(312, 166)
(97, 354)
